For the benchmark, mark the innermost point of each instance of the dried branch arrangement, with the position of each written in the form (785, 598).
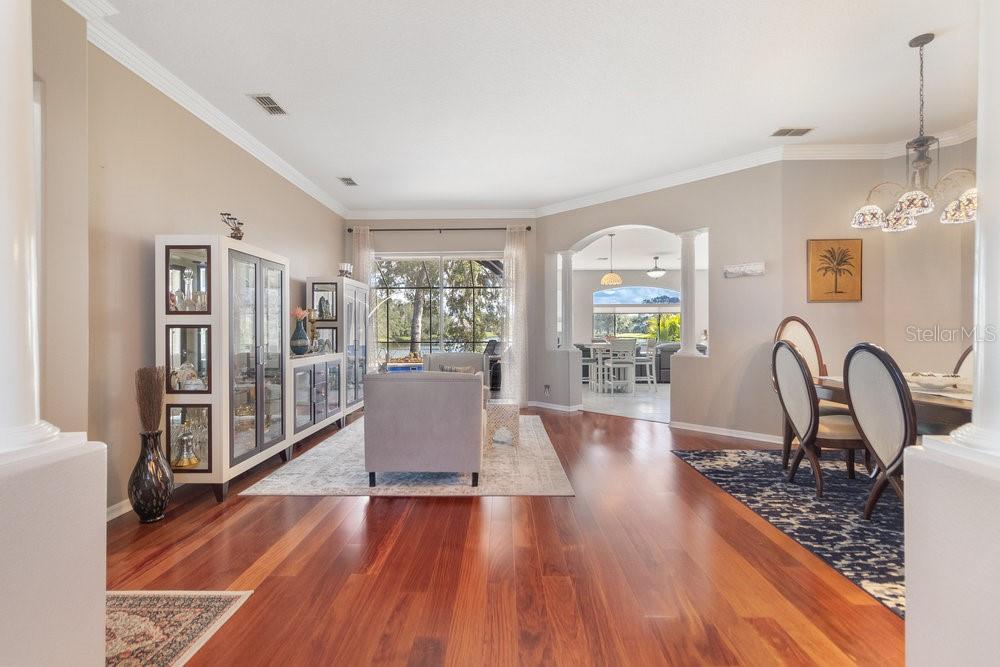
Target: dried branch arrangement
(149, 384)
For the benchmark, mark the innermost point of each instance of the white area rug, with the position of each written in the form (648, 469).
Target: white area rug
(336, 467)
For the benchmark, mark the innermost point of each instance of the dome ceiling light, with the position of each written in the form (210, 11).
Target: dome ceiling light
(656, 271)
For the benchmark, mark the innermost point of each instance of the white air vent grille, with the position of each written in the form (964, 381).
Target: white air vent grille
(347, 180)
(268, 104)
(791, 131)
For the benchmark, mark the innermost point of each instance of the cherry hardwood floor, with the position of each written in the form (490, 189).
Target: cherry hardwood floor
(649, 563)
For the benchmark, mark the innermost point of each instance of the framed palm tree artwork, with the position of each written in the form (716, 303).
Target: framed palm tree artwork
(833, 269)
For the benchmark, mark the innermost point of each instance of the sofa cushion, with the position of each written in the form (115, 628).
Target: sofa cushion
(458, 369)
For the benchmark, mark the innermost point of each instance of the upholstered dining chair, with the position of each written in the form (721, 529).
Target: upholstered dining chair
(883, 412)
(797, 394)
(795, 330)
(964, 365)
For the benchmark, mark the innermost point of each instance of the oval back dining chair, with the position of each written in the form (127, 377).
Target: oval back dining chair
(800, 404)
(964, 365)
(797, 331)
(883, 411)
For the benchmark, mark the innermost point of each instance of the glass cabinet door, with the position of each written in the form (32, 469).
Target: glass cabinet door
(319, 393)
(361, 315)
(332, 387)
(349, 347)
(243, 354)
(272, 346)
(303, 398)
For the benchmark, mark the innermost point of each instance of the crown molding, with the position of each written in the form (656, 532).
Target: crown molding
(92, 9)
(105, 37)
(444, 214)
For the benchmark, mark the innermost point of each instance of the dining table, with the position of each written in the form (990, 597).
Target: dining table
(939, 412)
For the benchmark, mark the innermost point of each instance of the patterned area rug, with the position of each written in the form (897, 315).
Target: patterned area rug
(869, 553)
(336, 467)
(164, 627)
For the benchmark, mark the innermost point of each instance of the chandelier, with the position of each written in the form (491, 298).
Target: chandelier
(611, 279)
(916, 198)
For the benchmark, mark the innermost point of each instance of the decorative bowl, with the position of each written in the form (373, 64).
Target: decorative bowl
(934, 380)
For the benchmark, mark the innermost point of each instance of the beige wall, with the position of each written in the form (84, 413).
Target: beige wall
(155, 169)
(744, 225)
(60, 65)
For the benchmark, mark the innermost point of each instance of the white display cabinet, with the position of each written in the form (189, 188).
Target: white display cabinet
(222, 334)
(343, 305)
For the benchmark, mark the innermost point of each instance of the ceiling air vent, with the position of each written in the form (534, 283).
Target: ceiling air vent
(347, 180)
(791, 131)
(268, 104)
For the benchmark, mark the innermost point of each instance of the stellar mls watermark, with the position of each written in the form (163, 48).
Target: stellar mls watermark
(940, 334)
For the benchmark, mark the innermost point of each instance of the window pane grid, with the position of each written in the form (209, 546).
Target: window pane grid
(460, 308)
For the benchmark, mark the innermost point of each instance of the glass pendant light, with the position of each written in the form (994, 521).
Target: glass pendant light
(611, 279)
(899, 220)
(868, 217)
(961, 210)
(656, 271)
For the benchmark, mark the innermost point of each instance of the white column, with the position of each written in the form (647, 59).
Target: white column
(19, 422)
(689, 334)
(567, 298)
(984, 431)
(52, 518)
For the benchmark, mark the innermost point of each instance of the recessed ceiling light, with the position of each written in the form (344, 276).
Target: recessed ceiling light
(347, 180)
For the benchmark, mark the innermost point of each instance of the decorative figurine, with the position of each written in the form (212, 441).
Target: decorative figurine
(235, 226)
(186, 456)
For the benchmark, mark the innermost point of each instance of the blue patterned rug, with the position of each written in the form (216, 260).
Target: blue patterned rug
(869, 553)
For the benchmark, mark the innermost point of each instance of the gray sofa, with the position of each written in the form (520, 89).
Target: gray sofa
(424, 422)
(663, 353)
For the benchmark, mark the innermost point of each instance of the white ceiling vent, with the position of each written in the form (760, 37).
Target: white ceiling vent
(268, 104)
(791, 131)
(347, 180)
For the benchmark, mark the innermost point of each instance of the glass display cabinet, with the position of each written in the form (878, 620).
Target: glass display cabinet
(188, 271)
(222, 335)
(316, 392)
(189, 437)
(350, 333)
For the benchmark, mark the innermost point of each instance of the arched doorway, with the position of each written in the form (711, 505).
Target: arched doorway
(645, 308)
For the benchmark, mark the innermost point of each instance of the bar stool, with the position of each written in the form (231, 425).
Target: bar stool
(644, 361)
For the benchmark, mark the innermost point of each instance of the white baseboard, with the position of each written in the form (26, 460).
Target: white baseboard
(729, 432)
(116, 510)
(554, 406)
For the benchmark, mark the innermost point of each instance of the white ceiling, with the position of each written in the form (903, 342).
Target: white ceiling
(635, 247)
(521, 104)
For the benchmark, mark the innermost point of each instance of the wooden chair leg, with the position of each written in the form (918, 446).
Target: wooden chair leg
(880, 483)
(868, 461)
(795, 463)
(813, 457)
(786, 445)
(850, 464)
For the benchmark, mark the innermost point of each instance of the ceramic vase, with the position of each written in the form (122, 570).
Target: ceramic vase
(300, 341)
(151, 481)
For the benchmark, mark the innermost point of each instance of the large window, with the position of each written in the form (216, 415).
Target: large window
(638, 312)
(436, 303)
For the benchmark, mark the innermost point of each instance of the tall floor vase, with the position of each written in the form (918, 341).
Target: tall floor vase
(151, 481)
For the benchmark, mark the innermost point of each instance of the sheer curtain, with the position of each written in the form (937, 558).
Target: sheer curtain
(364, 268)
(515, 282)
